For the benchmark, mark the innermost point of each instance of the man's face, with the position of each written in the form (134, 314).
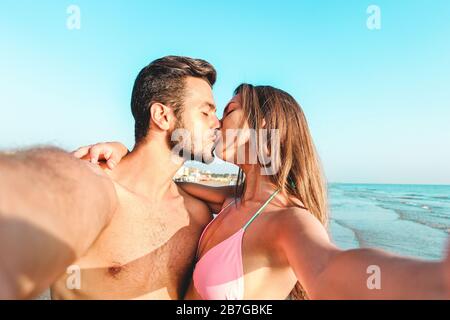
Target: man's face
(198, 122)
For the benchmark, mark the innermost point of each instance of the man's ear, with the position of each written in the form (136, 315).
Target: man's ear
(160, 115)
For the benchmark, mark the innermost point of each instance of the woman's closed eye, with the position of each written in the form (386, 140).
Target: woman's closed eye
(228, 113)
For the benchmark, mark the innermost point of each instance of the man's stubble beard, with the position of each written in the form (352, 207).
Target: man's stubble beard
(187, 150)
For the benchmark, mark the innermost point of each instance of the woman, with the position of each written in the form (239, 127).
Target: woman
(269, 240)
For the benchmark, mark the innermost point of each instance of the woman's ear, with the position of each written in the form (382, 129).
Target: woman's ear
(160, 115)
(263, 124)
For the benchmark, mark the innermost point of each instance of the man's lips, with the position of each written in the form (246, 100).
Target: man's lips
(215, 139)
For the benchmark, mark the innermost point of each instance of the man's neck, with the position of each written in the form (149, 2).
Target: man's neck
(148, 170)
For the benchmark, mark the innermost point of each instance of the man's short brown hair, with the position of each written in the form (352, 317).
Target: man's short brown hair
(163, 81)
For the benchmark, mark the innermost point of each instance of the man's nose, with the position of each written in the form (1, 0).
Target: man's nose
(217, 123)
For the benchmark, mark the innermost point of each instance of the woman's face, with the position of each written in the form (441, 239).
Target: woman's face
(231, 146)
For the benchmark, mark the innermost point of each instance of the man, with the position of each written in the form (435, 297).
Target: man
(130, 233)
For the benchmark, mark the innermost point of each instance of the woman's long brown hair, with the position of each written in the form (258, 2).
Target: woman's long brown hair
(299, 174)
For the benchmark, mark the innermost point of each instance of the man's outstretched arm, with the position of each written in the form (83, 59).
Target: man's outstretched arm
(52, 208)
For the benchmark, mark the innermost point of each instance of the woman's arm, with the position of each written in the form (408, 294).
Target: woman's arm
(214, 197)
(111, 152)
(326, 272)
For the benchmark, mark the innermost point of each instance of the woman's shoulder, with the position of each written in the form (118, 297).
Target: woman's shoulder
(291, 219)
(288, 214)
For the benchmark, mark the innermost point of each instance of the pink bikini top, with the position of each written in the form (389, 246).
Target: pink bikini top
(219, 274)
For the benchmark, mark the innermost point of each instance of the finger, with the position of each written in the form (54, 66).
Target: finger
(107, 152)
(109, 159)
(81, 152)
(99, 152)
(113, 160)
(95, 153)
(111, 164)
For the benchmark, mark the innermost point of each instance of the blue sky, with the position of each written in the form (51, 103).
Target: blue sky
(377, 101)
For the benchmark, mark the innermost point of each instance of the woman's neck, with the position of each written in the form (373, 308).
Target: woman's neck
(257, 187)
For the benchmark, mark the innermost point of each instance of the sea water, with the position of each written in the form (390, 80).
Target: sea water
(411, 220)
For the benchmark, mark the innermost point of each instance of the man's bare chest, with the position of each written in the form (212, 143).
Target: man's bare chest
(145, 250)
